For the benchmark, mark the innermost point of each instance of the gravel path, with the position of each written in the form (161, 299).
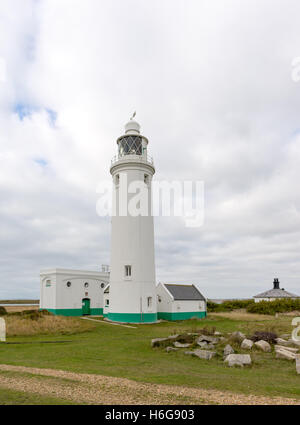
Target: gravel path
(98, 389)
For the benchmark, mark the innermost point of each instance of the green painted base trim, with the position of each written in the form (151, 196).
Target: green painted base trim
(96, 311)
(132, 317)
(74, 312)
(182, 315)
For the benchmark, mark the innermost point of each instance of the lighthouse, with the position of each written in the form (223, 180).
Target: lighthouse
(132, 293)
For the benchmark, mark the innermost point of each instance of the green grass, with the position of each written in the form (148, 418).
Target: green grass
(11, 397)
(125, 352)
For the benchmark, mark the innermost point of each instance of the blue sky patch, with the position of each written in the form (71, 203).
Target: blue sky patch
(24, 110)
(41, 161)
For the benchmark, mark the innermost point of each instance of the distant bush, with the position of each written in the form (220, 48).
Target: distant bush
(264, 336)
(31, 314)
(273, 307)
(228, 305)
(3, 311)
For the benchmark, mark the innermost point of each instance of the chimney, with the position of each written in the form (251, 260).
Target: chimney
(276, 283)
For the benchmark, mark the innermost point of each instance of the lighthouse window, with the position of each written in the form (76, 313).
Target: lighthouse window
(149, 302)
(69, 284)
(128, 271)
(86, 285)
(146, 179)
(130, 145)
(117, 180)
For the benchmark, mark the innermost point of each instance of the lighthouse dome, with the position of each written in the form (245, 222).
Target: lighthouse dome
(132, 127)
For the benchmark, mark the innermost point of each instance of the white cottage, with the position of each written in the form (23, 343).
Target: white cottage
(180, 302)
(275, 294)
(73, 292)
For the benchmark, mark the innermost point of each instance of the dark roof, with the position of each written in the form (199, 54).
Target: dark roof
(185, 292)
(276, 293)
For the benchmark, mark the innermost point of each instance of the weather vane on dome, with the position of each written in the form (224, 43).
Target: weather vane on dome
(133, 116)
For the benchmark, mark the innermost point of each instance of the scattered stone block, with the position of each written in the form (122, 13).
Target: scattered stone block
(217, 333)
(202, 344)
(238, 359)
(180, 345)
(239, 336)
(228, 350)
(201, 354)
(291, 349)
(264, 346)
(285, 354)
(209, 339)
(247, 344)
(281, 341)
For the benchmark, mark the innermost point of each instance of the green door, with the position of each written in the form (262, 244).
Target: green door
(86, 306)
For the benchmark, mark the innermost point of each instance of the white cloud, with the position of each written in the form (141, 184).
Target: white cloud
(211, 82)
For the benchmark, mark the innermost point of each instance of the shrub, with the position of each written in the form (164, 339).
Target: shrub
(228, 305)
(3, 311)
(273, 307)
(31, 314)
(265, 336)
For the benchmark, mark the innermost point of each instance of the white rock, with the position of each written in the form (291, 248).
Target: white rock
(247, 344)
(179, 345)
(238, 359)
(264, 346)
(291, 349)
(281, 341)
(157, 342)
(217, 333)
(202, 344)
(209, 339)
(202, 354)
(239, 336)
(228, 350)
(284, 354)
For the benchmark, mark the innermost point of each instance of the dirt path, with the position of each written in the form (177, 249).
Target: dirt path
(97, 389)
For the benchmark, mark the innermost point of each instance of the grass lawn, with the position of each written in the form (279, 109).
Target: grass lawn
(10, 397)
(126, 352)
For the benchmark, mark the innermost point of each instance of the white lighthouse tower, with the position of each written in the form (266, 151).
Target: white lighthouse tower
(132, 297)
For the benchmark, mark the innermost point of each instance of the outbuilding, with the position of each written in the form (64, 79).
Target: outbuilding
(275, 294)
(73, 292)
(180, 302)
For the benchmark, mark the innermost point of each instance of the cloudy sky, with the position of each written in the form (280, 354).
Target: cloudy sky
(216, 94)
